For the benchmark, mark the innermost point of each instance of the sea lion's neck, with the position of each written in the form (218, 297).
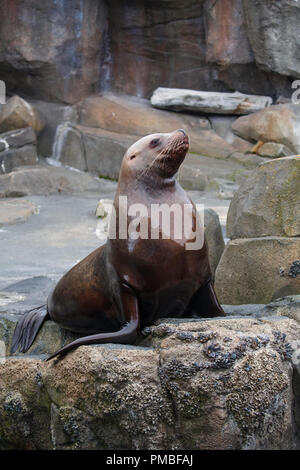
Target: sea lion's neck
(151, 184)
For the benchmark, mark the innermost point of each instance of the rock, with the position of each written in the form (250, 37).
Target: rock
(272, 32)
(214, 238)
(19, 148)
(249, 160)
(288, 306)
(214, 384)
(277, 124)
(205, 47)
(11, 159)
(225, 188)
(178, 99)
(53, 51)
(269, 201)
(129, 116)
(273, 150)
(226, 36)
(132, 116)
(241, 145)
(88, 149)
(197, 171)
(256, 270)
(18, 138)
(52, 114)
(68, 147)
(18, 113)
(16, 210)
(46, 180)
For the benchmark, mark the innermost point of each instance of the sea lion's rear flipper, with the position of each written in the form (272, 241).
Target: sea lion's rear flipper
(205, 303)
(27, 328)
(125, 335)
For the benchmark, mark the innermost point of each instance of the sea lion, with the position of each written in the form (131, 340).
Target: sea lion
(130, 282)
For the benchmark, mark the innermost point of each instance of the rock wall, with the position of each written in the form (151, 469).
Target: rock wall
(64, 50)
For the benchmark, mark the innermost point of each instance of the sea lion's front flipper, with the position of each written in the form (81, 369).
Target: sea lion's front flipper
(205, 303)
(125, 335)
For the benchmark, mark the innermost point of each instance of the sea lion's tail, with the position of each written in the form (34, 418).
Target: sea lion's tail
(27, 328)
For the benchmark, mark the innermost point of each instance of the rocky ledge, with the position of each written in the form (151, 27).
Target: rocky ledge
(189, 384)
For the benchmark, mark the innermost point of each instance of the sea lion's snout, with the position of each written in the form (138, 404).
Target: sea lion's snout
(179, 143)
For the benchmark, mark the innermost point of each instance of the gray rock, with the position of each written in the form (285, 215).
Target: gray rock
(23, 156)
(277, 124)
(46, 180)
(257, 270)
(68, 147)
(272, 31)
(53, 114)
(18, 138)
(95, 150)
(269, 201)
(214, 384)
(288, 306)
(273, 150)
(177, 99)
(248, 160)
(214, 238)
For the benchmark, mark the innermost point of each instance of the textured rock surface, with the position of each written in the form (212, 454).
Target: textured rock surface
(210, 102)
(215, 384)
(46, 180)
(69, 49)
(258, 270)
(187, 44)
(52, 51)
(17, 113)
(279, 123)
(268, 203)
(18, 147)
(133, 116)
(272, 30)
(214, 238)
(273, 150)
(16, 210)
(91, 149)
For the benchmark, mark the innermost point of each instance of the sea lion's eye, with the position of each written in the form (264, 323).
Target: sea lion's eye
(154, 143)
(132, 157)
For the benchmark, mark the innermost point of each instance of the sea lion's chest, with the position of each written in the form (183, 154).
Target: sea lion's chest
(156, 262)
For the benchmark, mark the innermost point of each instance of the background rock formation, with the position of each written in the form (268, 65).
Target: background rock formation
(63, 51)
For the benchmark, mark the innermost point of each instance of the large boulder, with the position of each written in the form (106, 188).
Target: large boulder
(136, 117)
(258, 270)
(91, 149)
(272, 29)
(279, 124)
(18, 113)
(268, 203)
(214, 384)
(52, 51)
(18, 148)
(208, 102)
(45, 180)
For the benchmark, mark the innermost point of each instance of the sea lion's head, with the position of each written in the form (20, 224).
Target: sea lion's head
(156, 156)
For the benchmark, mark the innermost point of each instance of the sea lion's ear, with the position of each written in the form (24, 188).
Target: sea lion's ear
(132, 157)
